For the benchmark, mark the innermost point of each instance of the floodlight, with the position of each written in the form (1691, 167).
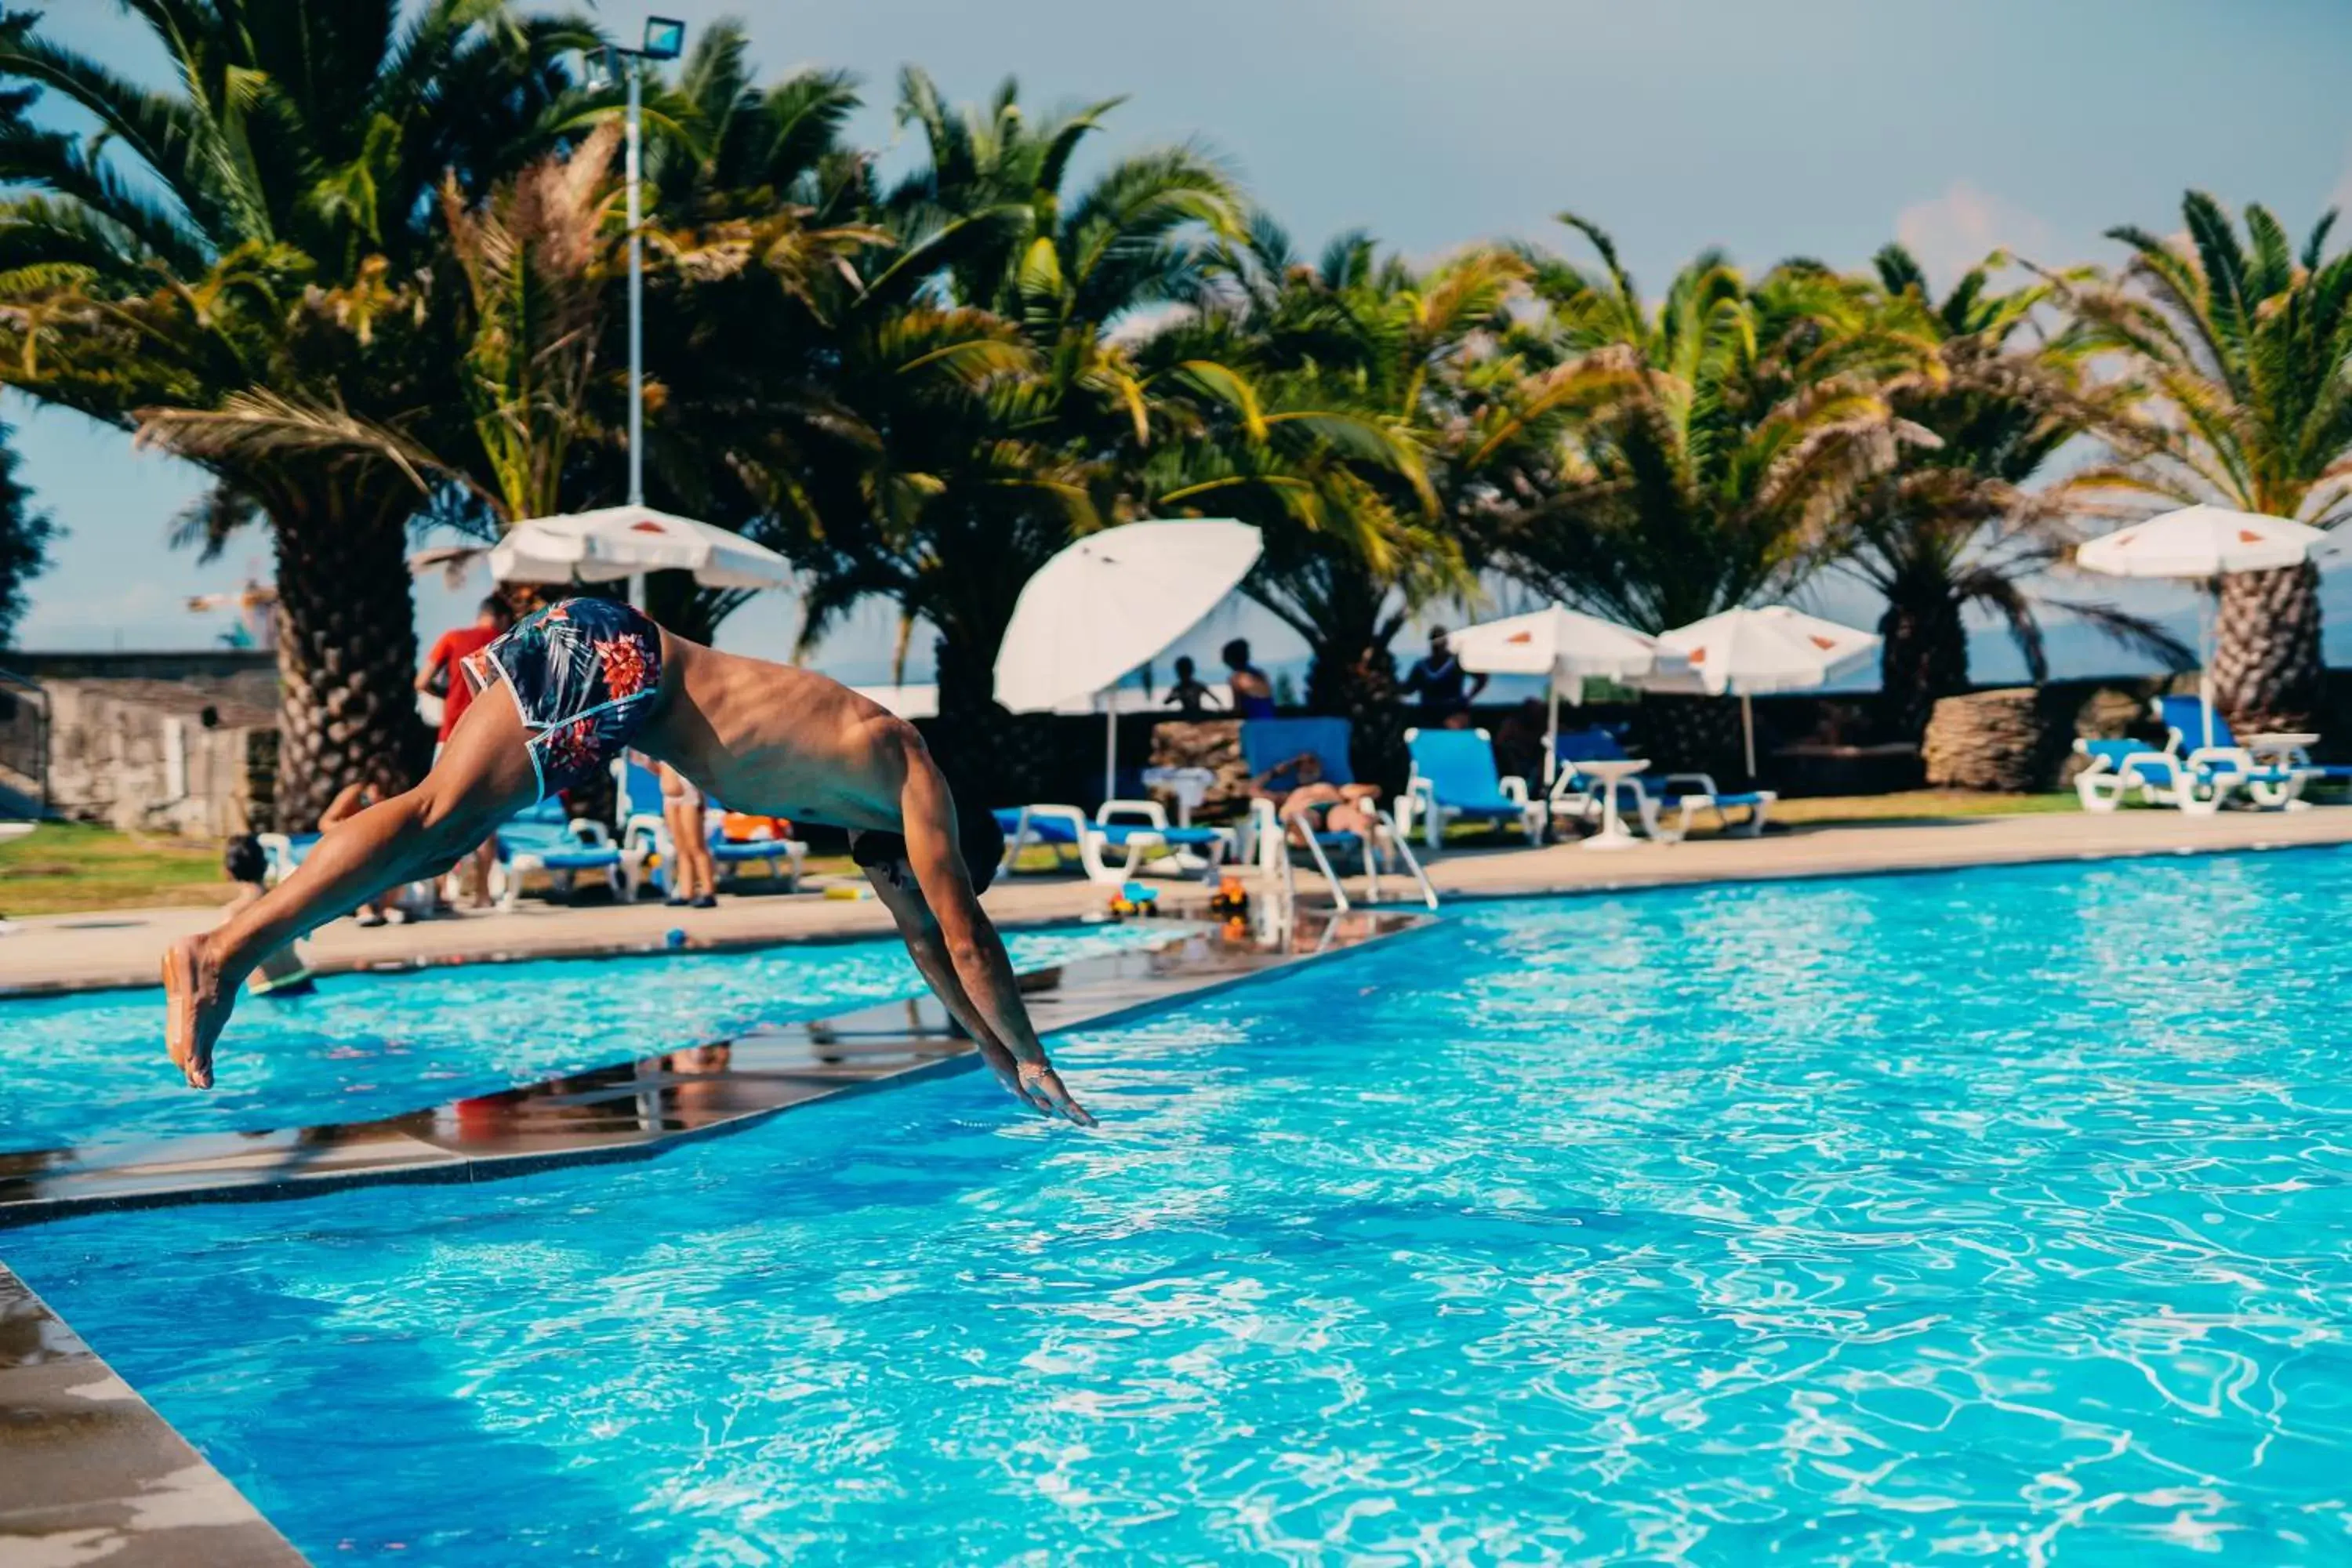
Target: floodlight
(665, 38)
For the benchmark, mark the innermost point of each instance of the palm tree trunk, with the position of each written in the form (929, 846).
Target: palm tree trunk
(1355, 678)
(346, 646)
(2266, 661)
(991, 757)
(1926, 656)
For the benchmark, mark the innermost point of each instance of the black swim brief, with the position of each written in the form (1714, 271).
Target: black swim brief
(584, 674)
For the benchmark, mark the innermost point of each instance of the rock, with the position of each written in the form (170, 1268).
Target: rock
(2005, 741)
(1211, 743)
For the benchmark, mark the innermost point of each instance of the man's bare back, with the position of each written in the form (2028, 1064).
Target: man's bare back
(587, 679)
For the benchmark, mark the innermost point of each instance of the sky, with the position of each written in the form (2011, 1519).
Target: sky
(1818, 128)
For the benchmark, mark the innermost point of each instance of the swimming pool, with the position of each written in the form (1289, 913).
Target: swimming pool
(1994, 1214)
(90, 1068)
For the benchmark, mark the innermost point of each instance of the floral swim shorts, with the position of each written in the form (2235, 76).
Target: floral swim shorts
(584, 674)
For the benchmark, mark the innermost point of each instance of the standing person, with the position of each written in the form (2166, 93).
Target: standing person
(1441, 682)
(1190, 696)
(439, 676)
(695, 880)
(580, 682)
(1253, 692)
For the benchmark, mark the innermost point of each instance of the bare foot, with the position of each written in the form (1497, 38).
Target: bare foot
(196, 1009)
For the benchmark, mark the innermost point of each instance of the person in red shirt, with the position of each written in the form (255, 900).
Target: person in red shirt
(441, 677)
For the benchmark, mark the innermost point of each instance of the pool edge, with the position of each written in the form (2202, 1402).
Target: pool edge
(439, 1144)
(94, 1473)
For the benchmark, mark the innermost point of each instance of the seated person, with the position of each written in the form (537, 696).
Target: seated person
(1297, 789)
(281, 971)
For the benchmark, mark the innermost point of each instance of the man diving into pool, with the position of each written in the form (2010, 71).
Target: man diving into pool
(587, 678)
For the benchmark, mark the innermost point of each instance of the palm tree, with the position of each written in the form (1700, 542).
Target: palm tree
(1741, 423)
(24, 536)
(1324, 405)
(2245, 342)
(237, 237)
(1730, 427)
(1953, 526)
(1013, 438)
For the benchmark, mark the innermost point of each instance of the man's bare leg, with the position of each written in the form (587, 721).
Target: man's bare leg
(483, 776)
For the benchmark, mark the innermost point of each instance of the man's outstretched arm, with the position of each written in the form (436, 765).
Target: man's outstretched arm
(973, 948)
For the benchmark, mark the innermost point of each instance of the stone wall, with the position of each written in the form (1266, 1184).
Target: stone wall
(175, 757)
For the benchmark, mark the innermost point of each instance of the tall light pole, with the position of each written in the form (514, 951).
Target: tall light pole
(664, 39)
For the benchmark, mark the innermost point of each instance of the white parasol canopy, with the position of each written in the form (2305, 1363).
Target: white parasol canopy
(2200, 541)
(1565, 647)
(2206, 543)
(1748, 653)
(1110, 601)
(620, 542)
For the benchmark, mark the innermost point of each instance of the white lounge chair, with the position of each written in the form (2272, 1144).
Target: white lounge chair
(2270, 784)
(2122, 771)
(545, 841)
(1688, 794)
(1142, 846)
(646, 829)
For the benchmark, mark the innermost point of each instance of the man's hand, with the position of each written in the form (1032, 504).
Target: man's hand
(1035, 1084)
(1039, 1086)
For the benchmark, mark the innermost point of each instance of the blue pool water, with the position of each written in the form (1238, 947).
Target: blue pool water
(89, 1068)
(1997, 1215)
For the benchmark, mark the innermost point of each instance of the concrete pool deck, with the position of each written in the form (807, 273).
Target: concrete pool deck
(120, 947)
(94, 1475)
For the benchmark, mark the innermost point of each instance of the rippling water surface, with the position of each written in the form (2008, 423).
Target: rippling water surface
(89, 1068)
(1996, 1217)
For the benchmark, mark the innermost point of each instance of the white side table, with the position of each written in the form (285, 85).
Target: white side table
(1189, 785)
(1612, 834)
(2281, 748)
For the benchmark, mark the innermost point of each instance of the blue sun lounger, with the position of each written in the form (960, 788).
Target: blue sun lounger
(543, 840)
(1454, 779)
(1686, 794)
(1269, 743)
(644, 830)
(2266, 783)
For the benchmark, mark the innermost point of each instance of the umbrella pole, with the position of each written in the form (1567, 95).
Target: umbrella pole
(1110, 744)
(1551, 736)
(1747, 731)
(2205, 669)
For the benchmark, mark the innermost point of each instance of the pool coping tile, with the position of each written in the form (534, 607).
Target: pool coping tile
(89, 1472)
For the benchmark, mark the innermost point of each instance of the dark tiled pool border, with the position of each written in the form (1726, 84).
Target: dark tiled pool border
(90, 1473)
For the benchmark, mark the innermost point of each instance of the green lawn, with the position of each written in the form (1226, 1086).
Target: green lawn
(1920, 806)
(61, 866)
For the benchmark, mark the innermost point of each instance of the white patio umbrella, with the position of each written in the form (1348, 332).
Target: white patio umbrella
(1564, 647)
(2205, 543)
(627, 541)
(1108, 603)
(1750, 653)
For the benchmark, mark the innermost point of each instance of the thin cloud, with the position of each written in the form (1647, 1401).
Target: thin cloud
(1955, 231)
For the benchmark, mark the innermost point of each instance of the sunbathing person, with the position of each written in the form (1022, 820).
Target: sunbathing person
(586, 678)
(1298, 790)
